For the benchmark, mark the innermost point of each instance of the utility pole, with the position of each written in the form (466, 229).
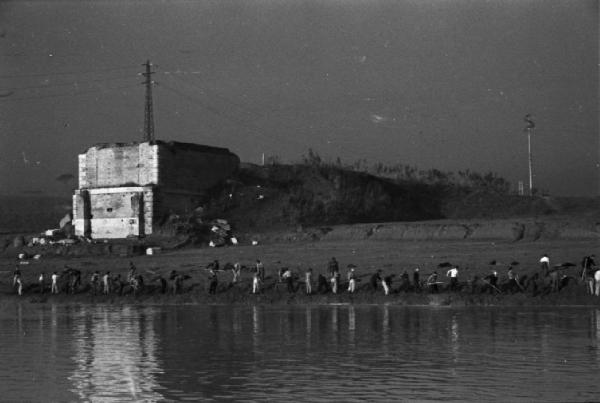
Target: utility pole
(529, 129)
(148, 112)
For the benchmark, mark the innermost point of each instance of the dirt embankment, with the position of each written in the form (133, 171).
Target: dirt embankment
(476, 230)
(306, 202)
(284, 197)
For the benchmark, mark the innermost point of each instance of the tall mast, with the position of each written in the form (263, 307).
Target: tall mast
(148, 111)
(529, 129)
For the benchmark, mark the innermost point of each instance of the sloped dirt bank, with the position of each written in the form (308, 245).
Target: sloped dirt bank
(453, 230)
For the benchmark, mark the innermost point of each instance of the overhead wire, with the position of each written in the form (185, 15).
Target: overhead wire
(66, 94)
(178, 76)
(63, 73)
(217, 95)
(256, 129)
(75, 83)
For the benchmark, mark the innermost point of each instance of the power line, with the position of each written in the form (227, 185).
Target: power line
(64, 73)
(246, 125)
(217, 95)
(74, 83)
(66, 94)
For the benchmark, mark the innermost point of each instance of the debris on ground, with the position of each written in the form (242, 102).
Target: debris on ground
(220, 233)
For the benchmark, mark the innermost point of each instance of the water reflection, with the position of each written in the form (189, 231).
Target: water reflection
(595, 333)
(312, 353)
(115, 355)
(352, 326)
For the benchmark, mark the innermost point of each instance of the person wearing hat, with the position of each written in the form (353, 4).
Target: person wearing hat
(417, 280)
(545, 264)
(492, 280)
(42, 282)
(351, 279)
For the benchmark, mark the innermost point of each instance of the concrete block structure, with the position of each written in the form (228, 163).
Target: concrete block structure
(128, 189)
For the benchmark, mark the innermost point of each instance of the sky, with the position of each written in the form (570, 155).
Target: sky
(429, 83)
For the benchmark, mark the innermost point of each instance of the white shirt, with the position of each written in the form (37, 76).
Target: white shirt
(544, 259)
(453, 272)
(54, 278)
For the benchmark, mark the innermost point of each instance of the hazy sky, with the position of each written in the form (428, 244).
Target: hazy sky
(437, 84)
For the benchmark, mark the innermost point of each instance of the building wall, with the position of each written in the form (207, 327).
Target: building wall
(113, 212)
(177, 166)
(119, 165)
(193, 169)
(130, 189)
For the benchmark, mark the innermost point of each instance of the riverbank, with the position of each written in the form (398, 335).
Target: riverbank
(446, 299)
(392, 257)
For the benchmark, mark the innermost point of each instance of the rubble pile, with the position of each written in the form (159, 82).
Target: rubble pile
(220, 233)
(62, 236)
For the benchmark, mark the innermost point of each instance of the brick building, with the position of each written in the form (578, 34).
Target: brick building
(127, 189)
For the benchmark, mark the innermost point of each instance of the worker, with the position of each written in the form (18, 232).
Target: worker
(334, 274)
(308, 280)
(432, 283)
(237, 271)
(332, 267)
(322, 284)
(375, 280)
(42, 282)
(288, 278)
(405, 281)
(18, 282)
(588, 270)
(386, 283)
(545, 264)
(453, 274)
(512, 286)
(213, 281)
(106, 283)
(351, 280)
(95, 280)
(255, 282)
(417, 280)
(132, 272)
(16, 275)
(492, 280)
(260, 270)
(54, 285)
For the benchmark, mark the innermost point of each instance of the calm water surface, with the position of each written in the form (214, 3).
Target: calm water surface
(318, 353)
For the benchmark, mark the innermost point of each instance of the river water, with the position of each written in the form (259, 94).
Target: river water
(296, 353)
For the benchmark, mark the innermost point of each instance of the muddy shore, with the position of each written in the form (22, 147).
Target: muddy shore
(393, 257)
